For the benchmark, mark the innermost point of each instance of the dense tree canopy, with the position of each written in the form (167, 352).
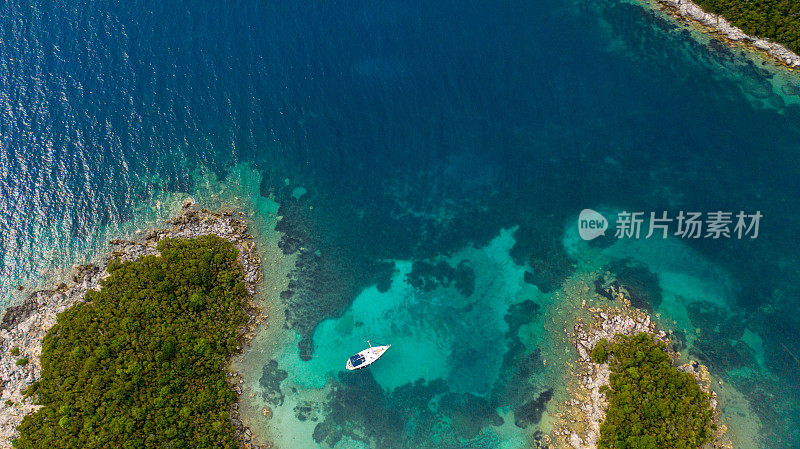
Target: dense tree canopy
(652, 405)
(141, 363)
(778, 20)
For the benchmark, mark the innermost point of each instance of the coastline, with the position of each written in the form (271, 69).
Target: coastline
(24, 326)
(715, 24)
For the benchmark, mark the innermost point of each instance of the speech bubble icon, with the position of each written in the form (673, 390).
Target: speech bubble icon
(591, 224)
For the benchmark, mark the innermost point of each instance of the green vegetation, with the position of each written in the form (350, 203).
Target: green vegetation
(141, 364)
(22, 361)
(778, 20)
(599, 353)
(652, 405)
(15, 351)
(9, 402)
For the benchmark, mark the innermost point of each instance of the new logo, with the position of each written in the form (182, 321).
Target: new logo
(591, 224)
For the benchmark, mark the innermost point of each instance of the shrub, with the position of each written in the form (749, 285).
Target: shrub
(22, 361)
(141, 363)
(113, 265)
(599, 353)
(652, 405)
(15, 351)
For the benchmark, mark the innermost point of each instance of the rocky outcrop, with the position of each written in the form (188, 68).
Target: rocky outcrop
(581, 416)
(718, 24)
(22, 327)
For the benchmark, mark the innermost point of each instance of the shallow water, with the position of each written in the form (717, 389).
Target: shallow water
(446, 369)
(405, 165)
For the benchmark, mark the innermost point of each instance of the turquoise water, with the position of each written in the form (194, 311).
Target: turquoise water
(448, 356)
(413, 173)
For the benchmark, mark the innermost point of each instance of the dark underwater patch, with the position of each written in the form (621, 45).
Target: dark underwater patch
(531, 412)
(270, 383)
(358, 408)
(306, 411)
(677, 338)
(721, 49)
(606, 288)
(718, 346)
(517, 386)
(519, 314)
(782, 357)
(427, 276)
(326, 278)
(539, 244)
(469, 414)
(641, 283)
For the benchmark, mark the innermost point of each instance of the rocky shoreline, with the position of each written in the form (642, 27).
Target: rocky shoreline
(716, 24)
(580, 417)
(24, 326)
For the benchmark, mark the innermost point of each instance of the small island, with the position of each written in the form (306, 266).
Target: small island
(135, 354)
(629, 390)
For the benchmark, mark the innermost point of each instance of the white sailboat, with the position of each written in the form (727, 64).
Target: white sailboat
(366, 357)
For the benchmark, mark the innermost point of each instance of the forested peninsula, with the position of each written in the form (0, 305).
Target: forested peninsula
(134, 353)
(769, 26)
(778, 20)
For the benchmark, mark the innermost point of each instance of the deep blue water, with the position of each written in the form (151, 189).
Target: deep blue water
(418, 128)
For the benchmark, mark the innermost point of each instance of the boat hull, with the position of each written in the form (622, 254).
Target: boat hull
(366, 357)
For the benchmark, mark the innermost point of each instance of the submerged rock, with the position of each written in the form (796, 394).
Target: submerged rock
(641, 286)
(426, 276)
(531, 411)
(270, 383)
